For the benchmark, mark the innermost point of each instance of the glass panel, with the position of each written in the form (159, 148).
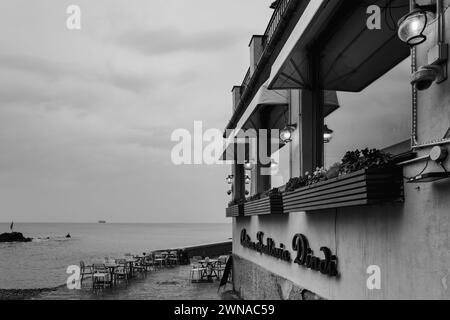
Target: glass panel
(378, 117)
(280, 167)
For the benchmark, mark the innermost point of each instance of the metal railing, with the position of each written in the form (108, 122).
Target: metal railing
(246, 81)
(271, 30)
(275, 20)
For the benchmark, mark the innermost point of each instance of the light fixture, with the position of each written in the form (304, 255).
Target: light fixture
(286, 133)
(411, 30)
(429, 177)
(274, 164)
(412, 26)
(247, 192)
(229, 192)
(230, 179)
(247, 179)
(327, 134)
(248, 166)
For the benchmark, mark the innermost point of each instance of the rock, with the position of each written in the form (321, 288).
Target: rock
(14, 237)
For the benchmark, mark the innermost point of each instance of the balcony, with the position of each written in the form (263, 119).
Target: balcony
(277, 23)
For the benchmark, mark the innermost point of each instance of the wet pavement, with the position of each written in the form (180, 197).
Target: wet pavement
(163, 284)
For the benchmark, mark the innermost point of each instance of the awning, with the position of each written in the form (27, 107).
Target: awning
(274, 101)
(351, 55)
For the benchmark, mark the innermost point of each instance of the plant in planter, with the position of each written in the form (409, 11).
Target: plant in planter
(317, 176)
(350, 183)
(253, 197)
(333, 171)
(351, 162)
(272, 192)
(368, 158)
(295, 183)
(236, 202)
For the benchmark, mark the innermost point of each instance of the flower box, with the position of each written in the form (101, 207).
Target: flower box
(272, 204)
(364, 187)
(235, 211)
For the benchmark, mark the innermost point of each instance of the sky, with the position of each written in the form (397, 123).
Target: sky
(86, 115)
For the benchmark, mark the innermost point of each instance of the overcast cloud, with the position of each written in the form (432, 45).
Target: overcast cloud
(86, 116)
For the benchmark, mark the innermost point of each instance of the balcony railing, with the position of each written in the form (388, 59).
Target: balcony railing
(246, 81)
(276, 18)
(275, 23)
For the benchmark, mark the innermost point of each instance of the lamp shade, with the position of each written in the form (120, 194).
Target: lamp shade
(327, 134)
(248, 166)
(286, 133)
(412, 26)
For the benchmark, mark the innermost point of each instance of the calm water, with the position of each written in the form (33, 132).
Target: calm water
(43, 262)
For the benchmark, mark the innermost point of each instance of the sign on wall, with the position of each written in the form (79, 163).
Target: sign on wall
(304, 254)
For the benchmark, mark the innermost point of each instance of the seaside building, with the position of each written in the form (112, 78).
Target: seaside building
(331, 77)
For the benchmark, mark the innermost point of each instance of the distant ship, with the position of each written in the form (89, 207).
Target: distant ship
(101, 221)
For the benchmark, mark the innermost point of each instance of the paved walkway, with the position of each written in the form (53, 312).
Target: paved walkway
(164, 284)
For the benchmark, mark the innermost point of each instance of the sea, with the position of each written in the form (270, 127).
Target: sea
(43, 262)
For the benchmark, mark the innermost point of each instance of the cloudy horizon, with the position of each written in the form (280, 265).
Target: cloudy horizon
(86, 115)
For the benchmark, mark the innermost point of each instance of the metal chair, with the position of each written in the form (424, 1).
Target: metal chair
(148, 263)
(84, 270)
(197, 269)
(172, 258)
(159, 259)
(220, 265)
(122, 272)
(100, 276)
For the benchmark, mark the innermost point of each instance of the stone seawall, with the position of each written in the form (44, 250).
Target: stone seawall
(253, 282)
(209, 250)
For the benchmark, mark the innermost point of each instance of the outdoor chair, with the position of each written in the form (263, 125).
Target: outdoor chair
(220, 265)
(138, 265)
(172, 258)
(148, 263)
(198, 271)
(160, 260)
(122, 272)
(100, 276)
(84, 270)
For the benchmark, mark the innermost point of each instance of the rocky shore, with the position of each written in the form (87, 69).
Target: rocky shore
(22, 294)
(14, 237)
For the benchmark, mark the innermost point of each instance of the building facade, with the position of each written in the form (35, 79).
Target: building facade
(327, 78)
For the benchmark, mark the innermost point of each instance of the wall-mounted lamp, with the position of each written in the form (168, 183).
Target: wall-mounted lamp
(424, 77)
(274, 164)
(286, 133)
(247, 179)
(247, 192)
(229, 192)
(412, 26)
(230, 179)
(248, 166)
(327, 134)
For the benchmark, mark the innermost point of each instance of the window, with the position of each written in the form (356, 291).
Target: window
(280, 167)
(378, 117)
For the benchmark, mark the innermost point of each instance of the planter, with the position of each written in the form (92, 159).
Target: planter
(365, 187)
(269, 205)
(235, 211)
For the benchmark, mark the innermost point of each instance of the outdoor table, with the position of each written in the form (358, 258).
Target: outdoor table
(209, 265)
(130, 261)
(112, 269)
